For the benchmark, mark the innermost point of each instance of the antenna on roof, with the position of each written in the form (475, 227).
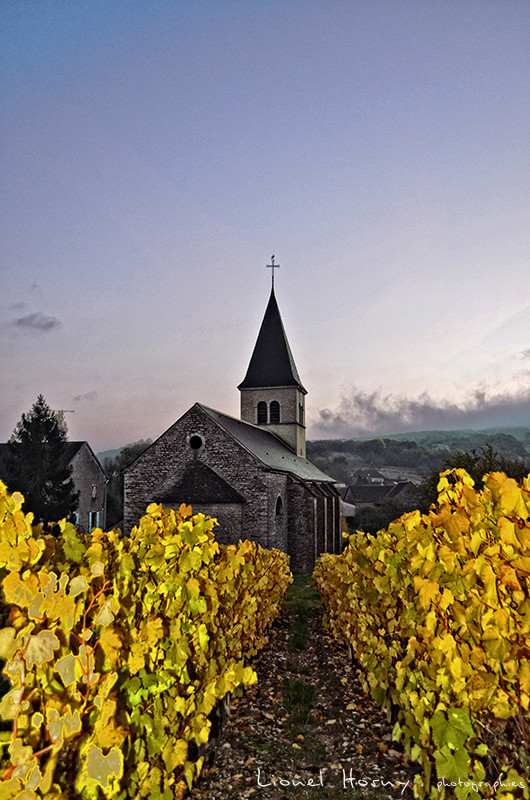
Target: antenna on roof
(273, 266)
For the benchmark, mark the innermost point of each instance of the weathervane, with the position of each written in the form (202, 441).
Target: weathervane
(273, 266)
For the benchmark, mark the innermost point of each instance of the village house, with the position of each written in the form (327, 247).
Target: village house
(89, 479)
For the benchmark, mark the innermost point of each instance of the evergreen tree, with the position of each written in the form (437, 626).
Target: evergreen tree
(37, 464)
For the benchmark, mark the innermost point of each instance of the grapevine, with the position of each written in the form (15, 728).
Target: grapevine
(437, 611)
(118, 650)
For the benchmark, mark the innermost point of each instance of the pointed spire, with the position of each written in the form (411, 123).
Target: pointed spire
(272, 363)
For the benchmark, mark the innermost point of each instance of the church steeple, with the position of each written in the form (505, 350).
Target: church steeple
(272, 393)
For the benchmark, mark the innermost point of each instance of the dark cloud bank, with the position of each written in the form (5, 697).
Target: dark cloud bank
(37, 322)
(374, 414)
(88, 397)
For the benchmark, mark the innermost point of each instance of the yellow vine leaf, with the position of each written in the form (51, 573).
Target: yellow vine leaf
(66, 668)
(111, 644)
(101, 770)
(40, 648)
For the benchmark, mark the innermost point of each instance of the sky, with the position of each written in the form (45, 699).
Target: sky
(154, 154)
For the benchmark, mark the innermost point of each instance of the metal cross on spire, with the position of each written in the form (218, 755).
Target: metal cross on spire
(273, 266)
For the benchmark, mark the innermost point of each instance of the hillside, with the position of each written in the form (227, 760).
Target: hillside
(412, 456)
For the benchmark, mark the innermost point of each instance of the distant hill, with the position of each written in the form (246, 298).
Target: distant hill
(110, 454)
(466, 436)
(412, 456)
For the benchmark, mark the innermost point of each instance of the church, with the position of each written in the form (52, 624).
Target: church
(251, 473)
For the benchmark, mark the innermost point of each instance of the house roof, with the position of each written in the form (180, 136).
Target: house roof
(374, 493)
(271, 363)
(199, 484)
(267, 447)
(72, 449)
(366, 493)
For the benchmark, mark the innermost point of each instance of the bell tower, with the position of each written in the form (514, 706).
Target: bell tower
(272, 395)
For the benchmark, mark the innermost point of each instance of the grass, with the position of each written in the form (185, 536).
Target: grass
(301, 603)
(298, 698)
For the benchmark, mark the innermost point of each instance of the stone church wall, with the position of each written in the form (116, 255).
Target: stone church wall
(300, 544)
(277, 511)
(167, 458)
(230, 519)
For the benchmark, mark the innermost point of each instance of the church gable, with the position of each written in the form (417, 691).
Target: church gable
(195, 455)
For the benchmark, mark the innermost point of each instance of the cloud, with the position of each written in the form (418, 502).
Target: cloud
(372, 413)
(37, 322)
(86, 396)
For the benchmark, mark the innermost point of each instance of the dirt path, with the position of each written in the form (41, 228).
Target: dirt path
(306, 729)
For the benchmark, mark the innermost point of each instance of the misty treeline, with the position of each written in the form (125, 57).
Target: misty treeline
(477, 453)
(420, 455)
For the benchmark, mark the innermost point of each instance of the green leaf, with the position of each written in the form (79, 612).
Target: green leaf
(452, 766)
(73, 547)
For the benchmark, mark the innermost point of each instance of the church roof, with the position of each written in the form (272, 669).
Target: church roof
(271, 363)
(199, 484)
(267, 447)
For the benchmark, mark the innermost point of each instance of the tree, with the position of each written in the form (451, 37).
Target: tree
(375, 518)
(114, 468)
(477, 464)
(37, 464)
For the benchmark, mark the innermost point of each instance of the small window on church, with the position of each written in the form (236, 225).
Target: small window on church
(301, 412)
(196, 442)
(262, 413)
(275, 412)
(279, 506)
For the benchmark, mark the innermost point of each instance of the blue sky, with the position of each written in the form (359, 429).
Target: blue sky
(153, 155)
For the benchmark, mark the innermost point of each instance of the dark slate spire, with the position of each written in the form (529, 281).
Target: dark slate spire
(272, 363)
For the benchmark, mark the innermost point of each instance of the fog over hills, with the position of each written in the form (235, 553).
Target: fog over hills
(364, 414)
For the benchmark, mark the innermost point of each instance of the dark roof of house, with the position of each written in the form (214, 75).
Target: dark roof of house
(199, 484)
(374, 493)
(271, 363)
(366, 493)
(72, 448)
(267, 447)
(399, 488)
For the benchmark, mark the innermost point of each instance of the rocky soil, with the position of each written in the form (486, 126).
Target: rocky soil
(306, 729)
